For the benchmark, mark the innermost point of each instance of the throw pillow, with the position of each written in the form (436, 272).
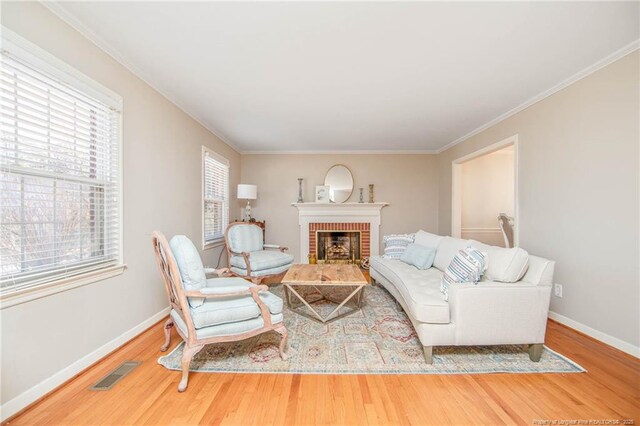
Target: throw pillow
(427, 239)
(466, 267)
(505, 265)
(419, 256)
(396, 244)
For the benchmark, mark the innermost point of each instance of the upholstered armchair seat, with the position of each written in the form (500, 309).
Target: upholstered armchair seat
(263, 259)
(233, 309)
(225, 330)
(250, 257)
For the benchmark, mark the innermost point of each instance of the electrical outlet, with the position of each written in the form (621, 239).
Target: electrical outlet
(557, 290)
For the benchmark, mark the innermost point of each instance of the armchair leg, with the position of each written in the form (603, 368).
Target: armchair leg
(187, 354)
(284, 342)
(428, 354)
(535, 352)
(167, 334)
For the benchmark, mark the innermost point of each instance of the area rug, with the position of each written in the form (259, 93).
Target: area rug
(377, 340)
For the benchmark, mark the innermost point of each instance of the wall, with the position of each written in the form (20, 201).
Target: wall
(162, 190)
(487, 189)
(578, 195)
(407, 182)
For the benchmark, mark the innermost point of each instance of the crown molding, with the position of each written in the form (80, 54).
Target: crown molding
(75, 23)
(609, 59)
(55, 8)
(345, 152)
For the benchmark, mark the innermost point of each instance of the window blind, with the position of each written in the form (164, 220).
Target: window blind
(59, 177)
(215, 196)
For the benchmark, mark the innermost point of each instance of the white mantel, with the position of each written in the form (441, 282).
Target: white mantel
(338, 213)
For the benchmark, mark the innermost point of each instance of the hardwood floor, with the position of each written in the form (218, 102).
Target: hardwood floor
(610, 390)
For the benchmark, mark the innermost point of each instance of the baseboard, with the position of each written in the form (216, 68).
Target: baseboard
(29, 396)
(598, 335)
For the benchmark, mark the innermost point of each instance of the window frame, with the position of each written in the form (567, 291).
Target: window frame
(218, 241)
(68, 75)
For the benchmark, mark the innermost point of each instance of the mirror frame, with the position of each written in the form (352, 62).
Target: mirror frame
(352, 181)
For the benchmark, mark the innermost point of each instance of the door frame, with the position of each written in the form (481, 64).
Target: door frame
(456, 180)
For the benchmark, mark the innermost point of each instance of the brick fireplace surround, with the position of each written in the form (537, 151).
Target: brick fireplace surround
(363, 217)
(364, 228)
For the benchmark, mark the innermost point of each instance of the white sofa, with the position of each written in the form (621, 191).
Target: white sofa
(487, 313)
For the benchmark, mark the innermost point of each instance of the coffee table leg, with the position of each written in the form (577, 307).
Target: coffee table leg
(343, 302)
(307, 305)
(360, 297)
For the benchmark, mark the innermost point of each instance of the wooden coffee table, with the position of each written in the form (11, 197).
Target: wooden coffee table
(322, 276)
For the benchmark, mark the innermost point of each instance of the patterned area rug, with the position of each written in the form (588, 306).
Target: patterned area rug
(377, 340)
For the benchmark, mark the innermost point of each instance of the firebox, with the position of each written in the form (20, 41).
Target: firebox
(338, 246)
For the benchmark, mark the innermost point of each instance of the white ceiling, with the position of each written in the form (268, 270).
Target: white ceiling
(353, 76)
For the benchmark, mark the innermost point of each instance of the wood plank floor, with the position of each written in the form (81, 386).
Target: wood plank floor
(609, 391)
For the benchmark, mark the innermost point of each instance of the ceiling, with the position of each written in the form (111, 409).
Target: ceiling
(353, 76)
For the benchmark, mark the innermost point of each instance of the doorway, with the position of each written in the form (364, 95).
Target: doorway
(485, 186)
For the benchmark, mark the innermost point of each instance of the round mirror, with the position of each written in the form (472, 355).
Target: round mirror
(340, 183)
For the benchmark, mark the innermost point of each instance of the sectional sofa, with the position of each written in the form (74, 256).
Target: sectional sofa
(508, 306)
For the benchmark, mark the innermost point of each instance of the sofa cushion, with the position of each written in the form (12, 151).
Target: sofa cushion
(263, 259)
(419, 256)
(447, 250)
(420, 289)
(504, 265)
(466, 267)
(396, 244)
(190, 266)
(225, 310)
(540, 271)
(427, 239)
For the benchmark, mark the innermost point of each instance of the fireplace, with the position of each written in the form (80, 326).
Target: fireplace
(363, 217)
(338, 246)
(339, 242)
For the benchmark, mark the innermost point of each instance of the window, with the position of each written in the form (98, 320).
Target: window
(215, 196)
(59, 171)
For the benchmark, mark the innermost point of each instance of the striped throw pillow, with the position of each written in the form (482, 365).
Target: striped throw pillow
(466, 267)
(396, 244)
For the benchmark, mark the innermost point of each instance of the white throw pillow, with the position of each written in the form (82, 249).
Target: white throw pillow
(447, 250)
(396, 244)
(504, 265)
(427, 239)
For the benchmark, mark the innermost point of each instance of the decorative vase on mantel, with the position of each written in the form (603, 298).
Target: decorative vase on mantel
(300, 200)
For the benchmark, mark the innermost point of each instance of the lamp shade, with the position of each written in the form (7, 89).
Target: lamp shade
(247, 192)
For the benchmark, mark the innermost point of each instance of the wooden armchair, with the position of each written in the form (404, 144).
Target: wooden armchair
(199, 306)
(250, 257)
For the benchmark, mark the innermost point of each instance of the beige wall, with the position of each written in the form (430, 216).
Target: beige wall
(162, 175)
(487, 189)
(407, 182)
(578, 193)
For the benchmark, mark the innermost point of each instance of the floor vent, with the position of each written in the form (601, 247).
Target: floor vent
(115, 376)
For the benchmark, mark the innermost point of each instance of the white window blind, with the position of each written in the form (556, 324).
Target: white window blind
(59, 176)
(215, 172)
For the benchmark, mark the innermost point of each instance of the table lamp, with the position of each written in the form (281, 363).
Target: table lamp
(247, 192)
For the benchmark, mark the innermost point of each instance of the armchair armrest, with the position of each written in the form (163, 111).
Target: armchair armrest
(251, 289)
(222, 272)
(218, 292)
(275, 246)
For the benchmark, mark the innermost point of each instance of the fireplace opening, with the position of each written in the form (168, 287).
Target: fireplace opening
(338, 246)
